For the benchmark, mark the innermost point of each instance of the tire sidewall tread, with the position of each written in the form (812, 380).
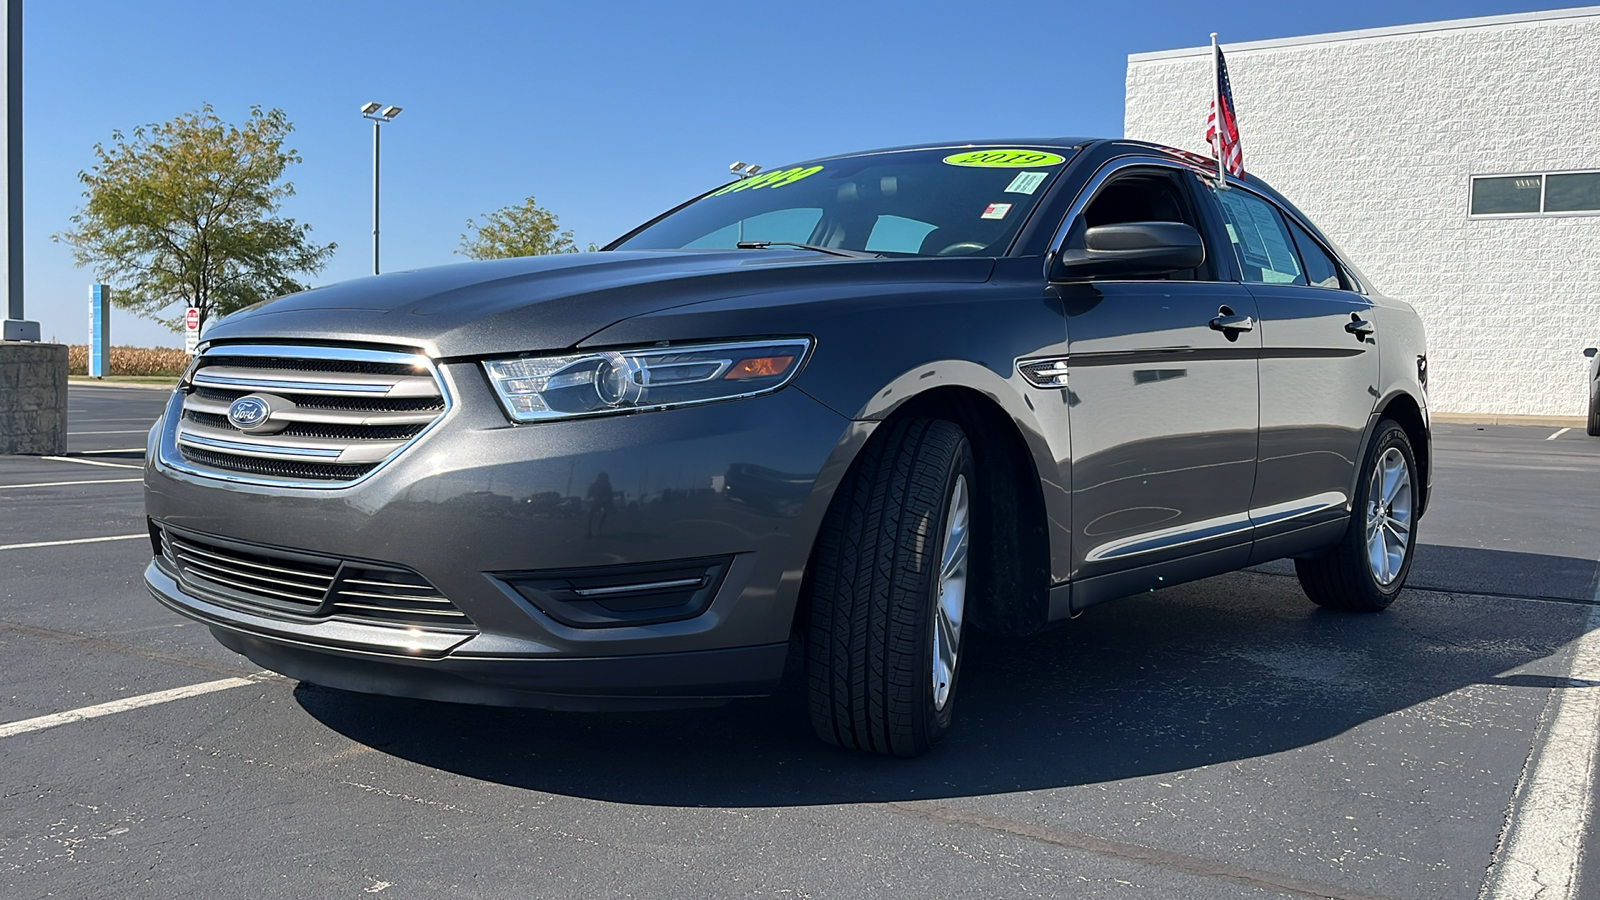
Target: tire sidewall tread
(872, 589)
(1341, 578)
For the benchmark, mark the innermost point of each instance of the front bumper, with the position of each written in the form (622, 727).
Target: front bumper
(476, 497)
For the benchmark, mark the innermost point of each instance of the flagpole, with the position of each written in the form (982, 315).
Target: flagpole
(1216, 105)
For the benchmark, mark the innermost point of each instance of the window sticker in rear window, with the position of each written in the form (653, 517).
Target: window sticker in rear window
(1004, 159)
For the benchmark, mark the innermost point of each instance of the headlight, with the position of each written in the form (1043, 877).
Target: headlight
(537, 388)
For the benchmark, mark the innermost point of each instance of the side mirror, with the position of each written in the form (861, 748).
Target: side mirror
(1591, 351)
(1130, 249)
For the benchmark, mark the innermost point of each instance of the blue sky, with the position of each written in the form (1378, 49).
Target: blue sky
(606, 112)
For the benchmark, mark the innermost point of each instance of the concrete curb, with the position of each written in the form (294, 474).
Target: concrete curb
(1496, 419)
(85, 381)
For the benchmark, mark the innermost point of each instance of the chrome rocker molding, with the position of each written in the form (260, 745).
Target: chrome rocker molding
(1223, 526)
(174, 431)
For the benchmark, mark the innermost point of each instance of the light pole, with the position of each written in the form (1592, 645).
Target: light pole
(379, 114)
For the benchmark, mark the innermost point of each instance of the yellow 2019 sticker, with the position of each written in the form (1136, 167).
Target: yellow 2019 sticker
(776, 178)
(1004, 159)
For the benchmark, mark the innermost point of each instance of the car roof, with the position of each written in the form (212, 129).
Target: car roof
(1054, 143)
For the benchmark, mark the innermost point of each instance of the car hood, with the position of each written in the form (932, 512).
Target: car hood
(554, 302)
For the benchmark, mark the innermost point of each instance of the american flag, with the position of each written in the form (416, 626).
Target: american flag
(1224, 141)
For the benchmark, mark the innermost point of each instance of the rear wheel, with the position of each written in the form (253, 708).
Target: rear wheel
(1365, 571)
(888, 592)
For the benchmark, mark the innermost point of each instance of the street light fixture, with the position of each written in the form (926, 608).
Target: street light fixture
(379, 114)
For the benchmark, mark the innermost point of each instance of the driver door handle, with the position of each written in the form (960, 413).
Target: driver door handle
(1234, 324)
(1360, 328)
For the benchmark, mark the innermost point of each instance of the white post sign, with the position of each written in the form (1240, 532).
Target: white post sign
(191, 330)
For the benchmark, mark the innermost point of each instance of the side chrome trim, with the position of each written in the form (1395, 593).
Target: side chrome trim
(1294, 509)
(1045, 372)
(1219, 527)
(169, 458)
(1168, 538)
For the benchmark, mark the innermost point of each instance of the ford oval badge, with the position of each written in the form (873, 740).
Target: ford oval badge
(248, 412)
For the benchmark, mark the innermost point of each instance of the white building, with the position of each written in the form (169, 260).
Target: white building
(1383, 137)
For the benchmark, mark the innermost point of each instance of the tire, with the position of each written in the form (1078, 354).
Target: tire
(1349, 576)
(1594, 410)
(898, 529)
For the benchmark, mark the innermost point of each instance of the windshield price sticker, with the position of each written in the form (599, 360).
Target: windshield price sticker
(1004, 159)
(1026, 182)
(777, 178)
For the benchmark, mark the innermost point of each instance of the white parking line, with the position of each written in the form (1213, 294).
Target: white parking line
(1545, 831)
(92, 462)
(121, 450)
(1558, 434)
(40, 484)
(115, 537)
(40, 723)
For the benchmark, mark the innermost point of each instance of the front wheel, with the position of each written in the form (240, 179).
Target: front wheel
(888, 591)
(1365, 571)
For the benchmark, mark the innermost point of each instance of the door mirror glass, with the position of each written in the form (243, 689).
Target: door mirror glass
(1591, 351)
(1132, 249)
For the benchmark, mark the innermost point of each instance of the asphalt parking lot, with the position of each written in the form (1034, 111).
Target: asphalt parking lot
(1219, 739)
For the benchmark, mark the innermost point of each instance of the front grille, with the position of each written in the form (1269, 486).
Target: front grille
(236, 574)
(275, 469)
(333, 414)
(393, 595)
(257, 578)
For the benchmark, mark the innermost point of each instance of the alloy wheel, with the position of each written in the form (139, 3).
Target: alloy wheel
(951, 601)
(1389, 516)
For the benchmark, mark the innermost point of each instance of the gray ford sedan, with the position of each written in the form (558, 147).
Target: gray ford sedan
(836, 414)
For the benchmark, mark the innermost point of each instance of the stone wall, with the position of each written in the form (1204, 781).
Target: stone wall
(1375, 135)
(33, 398)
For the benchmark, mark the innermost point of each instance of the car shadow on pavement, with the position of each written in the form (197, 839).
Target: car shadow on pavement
(1224, 669)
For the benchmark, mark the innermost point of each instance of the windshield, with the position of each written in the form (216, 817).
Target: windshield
(918, 202)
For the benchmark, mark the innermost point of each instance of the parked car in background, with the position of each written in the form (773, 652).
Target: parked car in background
(1594, 390)
(850, 408)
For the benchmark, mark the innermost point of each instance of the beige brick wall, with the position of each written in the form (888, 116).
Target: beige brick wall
(1375, 138)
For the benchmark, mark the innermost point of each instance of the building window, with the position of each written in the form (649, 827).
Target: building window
(1536, 193)
(1574, 192)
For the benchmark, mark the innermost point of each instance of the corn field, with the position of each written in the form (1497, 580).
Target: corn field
(131, 360)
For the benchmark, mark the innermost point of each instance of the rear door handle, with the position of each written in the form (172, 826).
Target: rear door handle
(1361, 328)
(1232, 324)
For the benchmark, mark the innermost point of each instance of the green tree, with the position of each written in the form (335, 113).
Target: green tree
(187, 212)
(527, 229)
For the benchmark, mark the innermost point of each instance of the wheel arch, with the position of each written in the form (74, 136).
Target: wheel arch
(1009, 514)
(1408, 413)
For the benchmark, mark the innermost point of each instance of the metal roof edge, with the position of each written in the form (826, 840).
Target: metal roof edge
(1576, 12)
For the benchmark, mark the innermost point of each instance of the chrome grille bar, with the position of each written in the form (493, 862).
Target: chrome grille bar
(335, 383)
(333, 414)
(260, 578)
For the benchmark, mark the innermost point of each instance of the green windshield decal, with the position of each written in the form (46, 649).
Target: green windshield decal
(1004, 159)
(777, 178)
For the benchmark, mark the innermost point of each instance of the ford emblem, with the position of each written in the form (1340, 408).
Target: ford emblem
(248, 412)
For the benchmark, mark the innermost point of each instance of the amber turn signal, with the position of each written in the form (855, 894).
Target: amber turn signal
(760, 367)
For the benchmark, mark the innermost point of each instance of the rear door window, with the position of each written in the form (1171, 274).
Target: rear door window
(1261, 239)
(1321, 270)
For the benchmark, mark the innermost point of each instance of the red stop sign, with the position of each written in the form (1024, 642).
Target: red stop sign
(191, 319)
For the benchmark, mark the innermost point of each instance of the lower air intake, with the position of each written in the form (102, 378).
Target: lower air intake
(615, 596)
